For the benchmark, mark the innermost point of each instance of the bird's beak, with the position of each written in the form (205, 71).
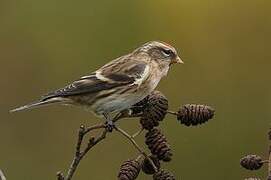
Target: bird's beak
(177, 60)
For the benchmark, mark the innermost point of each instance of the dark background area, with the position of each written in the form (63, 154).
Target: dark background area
(225, 44)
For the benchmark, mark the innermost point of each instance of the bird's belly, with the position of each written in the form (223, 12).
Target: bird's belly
(116, 104)
(122, 102)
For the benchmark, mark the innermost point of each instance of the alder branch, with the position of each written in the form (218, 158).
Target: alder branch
(131, 139)
(79, 153)
(151, 111)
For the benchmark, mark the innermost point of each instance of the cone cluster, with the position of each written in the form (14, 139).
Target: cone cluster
(195, 114)
(151, 111)
(129, 170)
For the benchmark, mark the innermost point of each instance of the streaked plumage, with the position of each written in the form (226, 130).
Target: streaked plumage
(119, 84)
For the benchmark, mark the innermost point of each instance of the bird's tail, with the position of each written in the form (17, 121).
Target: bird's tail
(38, 104)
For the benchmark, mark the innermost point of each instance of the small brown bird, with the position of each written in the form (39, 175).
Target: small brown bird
(117, 85)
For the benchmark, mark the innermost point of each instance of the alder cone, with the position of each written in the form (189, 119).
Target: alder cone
(158, 145)
(129, 170)
(195, 114)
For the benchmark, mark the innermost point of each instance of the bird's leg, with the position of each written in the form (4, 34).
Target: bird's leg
(109, 122)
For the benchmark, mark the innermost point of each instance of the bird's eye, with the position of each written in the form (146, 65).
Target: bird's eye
(167, 52)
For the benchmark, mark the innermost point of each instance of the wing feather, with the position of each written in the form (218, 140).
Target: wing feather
(124, 73)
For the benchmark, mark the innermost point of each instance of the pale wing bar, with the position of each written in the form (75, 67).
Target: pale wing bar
(92, 83)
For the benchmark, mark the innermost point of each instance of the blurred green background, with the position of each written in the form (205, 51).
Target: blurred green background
(225, 44)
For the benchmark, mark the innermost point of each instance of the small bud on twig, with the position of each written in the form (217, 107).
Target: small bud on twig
(60, 176)
(163, 175)
(129, 170)
(194, 114)
(251, 162)
(157, 143)
(91, 140)
(82, 129)
(147, 168)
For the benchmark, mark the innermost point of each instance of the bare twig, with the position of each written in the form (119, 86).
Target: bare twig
(139, 157)
(138, 133)
(172, 112)
(79, 153)
(2, 176)
(131, 139)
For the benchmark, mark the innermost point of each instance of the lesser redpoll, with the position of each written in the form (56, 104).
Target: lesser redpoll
(119, 84)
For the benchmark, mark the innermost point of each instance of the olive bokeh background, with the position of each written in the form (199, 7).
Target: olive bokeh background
(226, 48)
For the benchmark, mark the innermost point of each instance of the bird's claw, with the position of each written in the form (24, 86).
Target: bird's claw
(109, 125)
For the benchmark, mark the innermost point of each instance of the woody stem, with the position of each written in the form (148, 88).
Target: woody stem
(131, 139)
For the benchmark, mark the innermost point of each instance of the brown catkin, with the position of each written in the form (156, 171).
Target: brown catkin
(157, 143)
(163, 175)
(147, 167)
(129, 170)
(251, 162)
(195, 114)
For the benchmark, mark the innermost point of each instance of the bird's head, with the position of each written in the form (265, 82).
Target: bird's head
(160, 52)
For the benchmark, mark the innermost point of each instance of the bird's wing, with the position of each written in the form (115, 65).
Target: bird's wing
(124, 72)
(126, 69)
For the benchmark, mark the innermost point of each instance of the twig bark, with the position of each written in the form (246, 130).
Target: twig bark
(2, 176)
(172, 112)
(138, 133)
(79, 153)
(131, 139)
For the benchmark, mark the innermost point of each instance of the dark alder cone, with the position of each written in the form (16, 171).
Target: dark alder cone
(151, 109)
(194, 114)
(148, 123)
(157, 143)
(129, 170)
(155, 110)
(251, 162)
(137, 109)
(163, 175)
(147, 168)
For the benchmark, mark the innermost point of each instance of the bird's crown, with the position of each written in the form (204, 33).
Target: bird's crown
(156, 44)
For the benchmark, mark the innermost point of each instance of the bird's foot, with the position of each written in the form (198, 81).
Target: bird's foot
(109, 125)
